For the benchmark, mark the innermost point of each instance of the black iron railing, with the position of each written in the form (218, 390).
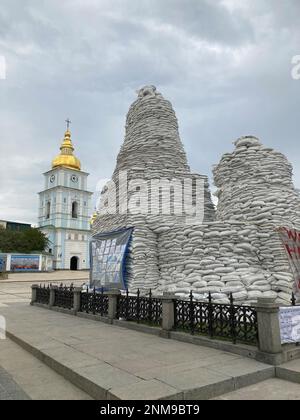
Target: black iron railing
(64, 297)
(94, 303)
(43, 294)
(141, 309)
(294, 300)
(231, 322)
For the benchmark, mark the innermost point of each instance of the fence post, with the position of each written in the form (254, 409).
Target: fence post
(52, 296)
(112, 303)
(168, 312)
(77, 299)
(268, 326)
(232, 319)
(34, 288)
(210, 316)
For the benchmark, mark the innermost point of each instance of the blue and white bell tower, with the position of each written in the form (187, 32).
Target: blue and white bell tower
(65, 209)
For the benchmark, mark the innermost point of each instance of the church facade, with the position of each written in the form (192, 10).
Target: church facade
(64, 210)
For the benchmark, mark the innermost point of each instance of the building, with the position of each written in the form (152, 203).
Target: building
(14, 225)
(64, 210)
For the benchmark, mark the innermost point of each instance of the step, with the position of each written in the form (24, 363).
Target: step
(25, 377)
(289, 371)
(9, 389)
(108, 362)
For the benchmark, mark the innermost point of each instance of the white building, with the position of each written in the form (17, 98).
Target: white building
(64, 210)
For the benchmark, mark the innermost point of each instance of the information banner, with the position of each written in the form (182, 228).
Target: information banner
(2, 263)
(108, 259)
(290, 324)
(291, 242)
(25, 263)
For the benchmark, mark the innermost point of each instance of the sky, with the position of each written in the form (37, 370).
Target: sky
(226, 66)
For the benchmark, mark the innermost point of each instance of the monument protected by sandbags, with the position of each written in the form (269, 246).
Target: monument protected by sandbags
(180, 243)
(151, 163)
(255, 185)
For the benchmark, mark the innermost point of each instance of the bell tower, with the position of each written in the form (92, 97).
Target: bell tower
(65, 208)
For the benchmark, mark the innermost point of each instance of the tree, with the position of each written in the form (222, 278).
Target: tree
(25, 242)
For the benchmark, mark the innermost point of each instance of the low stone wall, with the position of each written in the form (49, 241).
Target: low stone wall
(224, 257)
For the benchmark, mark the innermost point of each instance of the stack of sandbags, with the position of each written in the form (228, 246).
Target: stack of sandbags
(152, 153)
(152, 138)
(255, 185)
(221, 258)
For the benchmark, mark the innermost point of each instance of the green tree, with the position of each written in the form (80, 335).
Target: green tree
(25, 242)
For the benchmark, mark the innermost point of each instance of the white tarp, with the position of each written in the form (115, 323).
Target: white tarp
(290, 324)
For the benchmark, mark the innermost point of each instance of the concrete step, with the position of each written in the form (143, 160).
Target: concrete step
(9, 389)
(103, 382)
(270, 390)
(289, 371)
(22, 376)
(108, 362)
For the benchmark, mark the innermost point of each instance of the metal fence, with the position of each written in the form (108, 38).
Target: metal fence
(43, 294)
(94, 302)
(294, 300)
(234, 322)
(64, 297)
(141, 309)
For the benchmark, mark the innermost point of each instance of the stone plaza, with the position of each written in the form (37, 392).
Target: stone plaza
(51, 355)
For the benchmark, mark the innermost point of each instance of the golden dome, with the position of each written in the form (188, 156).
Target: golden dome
(66, 159)
(93, 218)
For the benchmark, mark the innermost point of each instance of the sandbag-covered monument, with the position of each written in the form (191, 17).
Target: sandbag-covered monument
(176, 241)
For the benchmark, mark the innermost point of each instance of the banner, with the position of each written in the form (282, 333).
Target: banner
(291, 242)
(2, 263)
(108, 259)
(25, 263)
(290, 324)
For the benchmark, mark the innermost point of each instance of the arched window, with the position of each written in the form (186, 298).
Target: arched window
(74, 210)
(48, 209)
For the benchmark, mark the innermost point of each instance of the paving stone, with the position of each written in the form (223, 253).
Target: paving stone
(272, 389)
(145, 390)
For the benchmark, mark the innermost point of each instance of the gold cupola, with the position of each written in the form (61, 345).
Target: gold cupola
(93, 218)
(66, 159)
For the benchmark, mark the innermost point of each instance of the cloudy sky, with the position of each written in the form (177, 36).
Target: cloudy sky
(225, 65)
